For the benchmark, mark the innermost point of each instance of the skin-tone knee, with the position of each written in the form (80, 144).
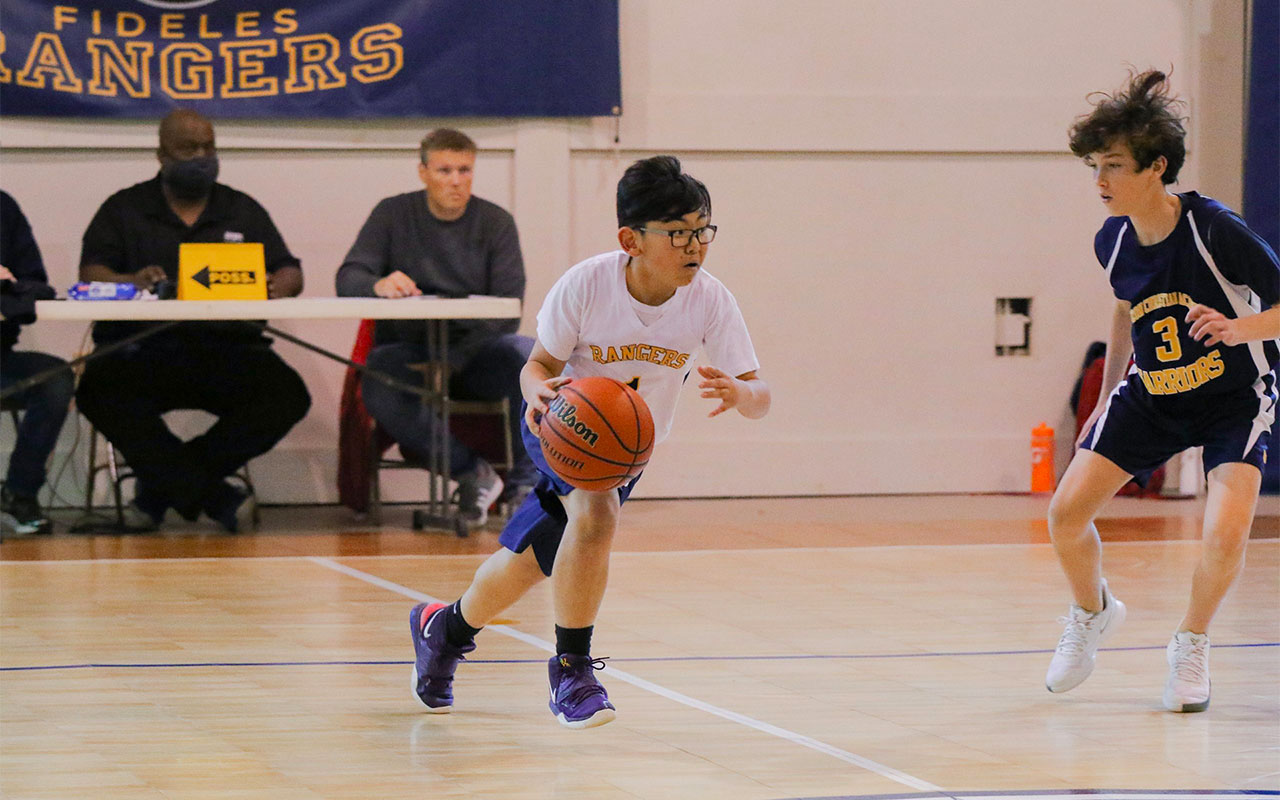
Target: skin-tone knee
(1090, 481)
(505, 576)
(581, 570)
(1066, 520)
(593, 515)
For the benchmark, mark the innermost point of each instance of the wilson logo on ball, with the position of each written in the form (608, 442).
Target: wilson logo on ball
(567, 413)
(597, 433)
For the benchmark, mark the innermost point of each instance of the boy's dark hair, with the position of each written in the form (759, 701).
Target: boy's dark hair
(1142, 115)
(445, 139)
(655, 190)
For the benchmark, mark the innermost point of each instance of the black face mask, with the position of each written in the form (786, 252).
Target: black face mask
(191, 179)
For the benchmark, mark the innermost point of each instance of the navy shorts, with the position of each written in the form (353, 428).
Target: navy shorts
(541, 520)
(1138, 435)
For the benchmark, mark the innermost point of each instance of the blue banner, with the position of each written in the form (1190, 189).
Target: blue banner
(334, 58)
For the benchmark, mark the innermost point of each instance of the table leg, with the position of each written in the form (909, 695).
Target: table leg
(438, 513)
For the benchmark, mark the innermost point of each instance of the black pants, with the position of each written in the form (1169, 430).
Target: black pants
(492, 372)
(45, 407)
(256, 396)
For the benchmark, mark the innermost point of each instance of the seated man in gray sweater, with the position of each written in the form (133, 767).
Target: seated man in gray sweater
(446, 242)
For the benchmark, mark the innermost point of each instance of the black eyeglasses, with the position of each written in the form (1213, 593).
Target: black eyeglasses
(705, 234)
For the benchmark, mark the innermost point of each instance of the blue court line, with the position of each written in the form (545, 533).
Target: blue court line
(655, 659)
(1030, 794)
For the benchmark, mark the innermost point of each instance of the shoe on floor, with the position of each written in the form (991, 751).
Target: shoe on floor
(1077, 650)
(135, 520)
(477, 491)
(22, 514)
(577, 698)
(1187, 688)
(230, 507)
(435, 660)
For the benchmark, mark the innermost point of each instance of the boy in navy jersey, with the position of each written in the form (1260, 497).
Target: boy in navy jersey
(1197, 294)
(605, 316)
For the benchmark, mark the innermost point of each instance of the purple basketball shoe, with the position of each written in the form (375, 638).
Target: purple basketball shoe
(436, 658)
(577, 698)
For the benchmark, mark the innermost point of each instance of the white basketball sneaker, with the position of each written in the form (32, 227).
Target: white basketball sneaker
(1077, 651)
(1187, 688)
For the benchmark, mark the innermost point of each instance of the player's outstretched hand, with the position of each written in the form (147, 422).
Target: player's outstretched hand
(720, 385)
(1206, 322)
(536, 406)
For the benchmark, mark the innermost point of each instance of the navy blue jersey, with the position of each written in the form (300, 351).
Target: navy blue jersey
(1212, 258)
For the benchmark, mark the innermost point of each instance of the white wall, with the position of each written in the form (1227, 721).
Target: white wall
(881, 171)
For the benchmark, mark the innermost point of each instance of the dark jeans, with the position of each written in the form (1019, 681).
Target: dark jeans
(46, 406)
(491, 373)
(256, 396)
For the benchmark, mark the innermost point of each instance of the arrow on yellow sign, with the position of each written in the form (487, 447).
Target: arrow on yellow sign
(205, 277)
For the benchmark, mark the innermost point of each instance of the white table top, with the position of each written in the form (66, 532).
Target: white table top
(426, 307)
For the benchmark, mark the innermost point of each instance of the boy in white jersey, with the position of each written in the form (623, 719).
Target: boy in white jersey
(640, 315)
(1198, 295)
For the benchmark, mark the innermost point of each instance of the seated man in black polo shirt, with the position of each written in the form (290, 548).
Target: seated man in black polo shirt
(225, 368)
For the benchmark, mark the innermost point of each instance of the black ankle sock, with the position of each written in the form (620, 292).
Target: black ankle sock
(456, 630)
(574, 641)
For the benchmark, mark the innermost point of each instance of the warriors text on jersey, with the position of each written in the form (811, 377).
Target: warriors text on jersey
(590, 321)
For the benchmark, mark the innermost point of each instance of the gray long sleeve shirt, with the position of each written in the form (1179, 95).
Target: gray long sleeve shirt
(478, 253)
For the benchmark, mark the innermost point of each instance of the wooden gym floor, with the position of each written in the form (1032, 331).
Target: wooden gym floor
(763, 648)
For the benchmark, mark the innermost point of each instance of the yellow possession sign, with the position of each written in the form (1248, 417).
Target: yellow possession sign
(221, 272)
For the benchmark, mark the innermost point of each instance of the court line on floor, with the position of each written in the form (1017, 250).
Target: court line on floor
(1253, 543)
(1091, 794)
(621, 660)
(882, 770)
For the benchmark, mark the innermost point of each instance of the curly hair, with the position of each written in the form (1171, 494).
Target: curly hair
(1143, 115)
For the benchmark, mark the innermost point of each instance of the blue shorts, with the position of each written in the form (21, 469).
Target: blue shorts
(1138, 435)
(541, 520)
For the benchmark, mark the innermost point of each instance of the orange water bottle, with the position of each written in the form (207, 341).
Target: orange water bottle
(1042, 458)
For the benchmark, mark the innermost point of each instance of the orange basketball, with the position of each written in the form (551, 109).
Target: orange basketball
(597, 433)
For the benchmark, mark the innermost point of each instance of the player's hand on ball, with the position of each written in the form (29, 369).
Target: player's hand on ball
(1206, 322)
(536, 406)
(719, 385)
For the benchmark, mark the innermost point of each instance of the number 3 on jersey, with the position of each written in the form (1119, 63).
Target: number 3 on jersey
(1171, 350)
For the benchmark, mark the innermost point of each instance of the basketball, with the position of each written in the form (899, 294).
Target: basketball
(597, 433)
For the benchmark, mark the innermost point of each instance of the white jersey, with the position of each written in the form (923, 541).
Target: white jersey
(592, 322)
